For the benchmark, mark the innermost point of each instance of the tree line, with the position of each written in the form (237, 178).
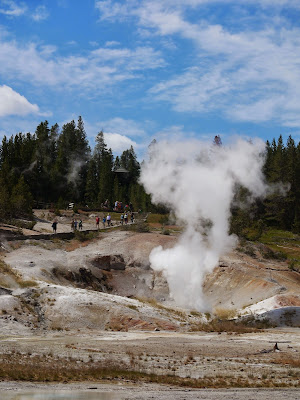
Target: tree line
(281, 208)
(56, 167)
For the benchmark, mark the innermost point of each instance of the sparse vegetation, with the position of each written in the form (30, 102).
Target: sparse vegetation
(48, 368)
(243, 325)
(6, 270)
(21, 223)
(140, 226)
(154, 303)
(158, 218)
(225, 314)
(85, 236)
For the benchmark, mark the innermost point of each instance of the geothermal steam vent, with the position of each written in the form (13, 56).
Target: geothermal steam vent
(197, 182)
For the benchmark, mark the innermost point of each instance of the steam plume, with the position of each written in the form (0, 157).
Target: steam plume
(197, 181)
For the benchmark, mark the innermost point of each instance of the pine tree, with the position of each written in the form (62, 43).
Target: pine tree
(21, 199)
(91, 188)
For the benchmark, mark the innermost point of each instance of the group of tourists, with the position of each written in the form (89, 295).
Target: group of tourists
(107, 221)
(75, 224)
(119, 207)
(124, 218)
(104, 221)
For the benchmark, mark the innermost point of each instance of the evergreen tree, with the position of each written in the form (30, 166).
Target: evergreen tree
(129, 161)
(21, 199)
(91, 189)
(41, 183)
(71, 164)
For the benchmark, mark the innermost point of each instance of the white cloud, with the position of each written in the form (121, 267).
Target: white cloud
(118, 143)
(110, 10)
(245, 73)
(118, 134)
(12, 103)
(124, 127)
(40, 13)
(138, 59)
(112, 43)
(115, 10)
(12, 8)
(99, 68)
(248, 77)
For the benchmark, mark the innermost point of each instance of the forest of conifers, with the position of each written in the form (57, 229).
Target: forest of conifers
(53, 167)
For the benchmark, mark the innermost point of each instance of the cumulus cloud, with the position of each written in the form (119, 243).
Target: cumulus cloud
(118, 133)
(118, 143)
(12, 103)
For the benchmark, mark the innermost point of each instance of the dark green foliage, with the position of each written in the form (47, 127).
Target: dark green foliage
(53, 167)
(283, 166)
(21, 199)
(281, 209)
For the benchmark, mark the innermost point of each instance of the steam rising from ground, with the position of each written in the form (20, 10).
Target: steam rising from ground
(197, 181)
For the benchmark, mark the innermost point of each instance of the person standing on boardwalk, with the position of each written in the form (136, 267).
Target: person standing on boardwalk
(108, 219)
(80, 225)
(97, 222)
(54, 226)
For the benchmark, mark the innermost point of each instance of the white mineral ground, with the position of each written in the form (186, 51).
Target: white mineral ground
(76, 309)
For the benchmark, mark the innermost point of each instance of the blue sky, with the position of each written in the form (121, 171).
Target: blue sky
(144, 69)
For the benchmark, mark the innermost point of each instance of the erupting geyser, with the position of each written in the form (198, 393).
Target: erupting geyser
(197, 181)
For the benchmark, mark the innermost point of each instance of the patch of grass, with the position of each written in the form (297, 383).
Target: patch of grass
(50, 369)
(224, 313)
(21, 223)
(292, 361)
(284, 242)
(240, 326)
(268, 253)
(294, 265)
(84, 236)
(7, 270)
(207, 315)
(196, 313)
(155, 304)
(139, 226)
(158, 218)
(133, 307)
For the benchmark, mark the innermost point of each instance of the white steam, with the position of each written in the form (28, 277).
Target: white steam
(197, 181)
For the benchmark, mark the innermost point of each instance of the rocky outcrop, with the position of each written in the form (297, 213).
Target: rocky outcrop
(108, 263)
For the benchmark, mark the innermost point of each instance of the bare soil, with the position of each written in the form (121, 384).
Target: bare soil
(84, 306)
